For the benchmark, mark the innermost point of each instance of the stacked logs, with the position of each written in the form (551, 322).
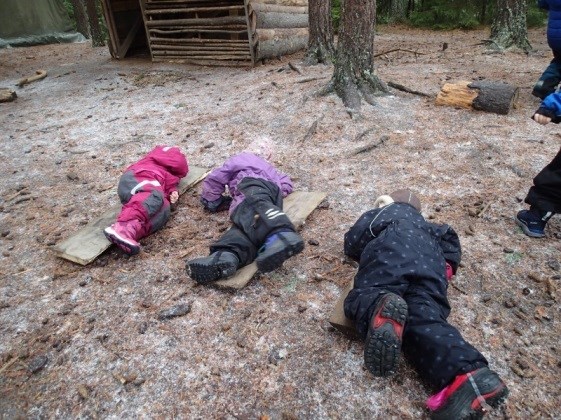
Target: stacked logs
(207, 32)
(277, 27)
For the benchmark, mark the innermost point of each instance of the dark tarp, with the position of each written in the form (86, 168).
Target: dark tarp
(32, 22)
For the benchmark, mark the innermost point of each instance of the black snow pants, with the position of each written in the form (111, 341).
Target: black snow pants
(256, 217)
(545, 194)
(436, 349)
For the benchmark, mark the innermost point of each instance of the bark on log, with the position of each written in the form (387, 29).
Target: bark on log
(261, 7)
(7, 95)
(488, 96)
(276, 42)
(283, 2)
(271, 20)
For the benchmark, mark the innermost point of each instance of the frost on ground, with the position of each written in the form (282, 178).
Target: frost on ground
(89, 342)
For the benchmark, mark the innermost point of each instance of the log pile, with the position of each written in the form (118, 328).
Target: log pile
(208, 32)
(277, 27)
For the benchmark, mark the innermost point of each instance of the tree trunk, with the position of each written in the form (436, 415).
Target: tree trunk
(81, 18)
(509, 28)
(320, 42)
(398, 10)
(95, 28)
(354, 76)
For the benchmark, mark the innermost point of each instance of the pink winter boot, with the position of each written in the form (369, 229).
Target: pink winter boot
(124, 234)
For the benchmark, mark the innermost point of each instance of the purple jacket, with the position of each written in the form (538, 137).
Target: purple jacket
(237, 168)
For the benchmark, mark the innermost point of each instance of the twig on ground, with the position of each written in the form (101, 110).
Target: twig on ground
(370, 146)
(360, 136)
(458, 289)
(312, 130)
(187, 252)
(406, 89)
(484, 209)
(310, 79)
(398, 49)
(8, 364)
(294, 67)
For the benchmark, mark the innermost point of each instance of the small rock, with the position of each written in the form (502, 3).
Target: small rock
(508, 250)
(526, 291)
(313, 242)
(83, 391)
(37, 364)
(138, 381)
(174, 311)
(510, 303)
(143, 327)
(72, 176)
(209, 145)
(554, 265)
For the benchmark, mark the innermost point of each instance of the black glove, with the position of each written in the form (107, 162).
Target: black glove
(221, 203)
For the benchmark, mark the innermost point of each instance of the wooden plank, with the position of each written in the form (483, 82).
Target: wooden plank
(338, 319)
(218, 21)
(297, 206)
(194, 10)
(88, 243)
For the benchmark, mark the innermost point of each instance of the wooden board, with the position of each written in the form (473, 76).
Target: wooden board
(88, 243)
(297, 207)
(338, 319)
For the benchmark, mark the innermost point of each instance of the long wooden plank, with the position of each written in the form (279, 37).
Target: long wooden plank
(338, 319)
(88, 243)
(297, 206)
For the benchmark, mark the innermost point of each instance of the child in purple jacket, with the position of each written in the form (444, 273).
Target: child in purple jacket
(261, 231)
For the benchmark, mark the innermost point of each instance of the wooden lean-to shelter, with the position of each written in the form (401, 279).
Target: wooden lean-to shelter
(207, 32)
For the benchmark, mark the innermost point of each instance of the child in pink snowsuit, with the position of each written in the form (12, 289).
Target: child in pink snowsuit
(146, 190)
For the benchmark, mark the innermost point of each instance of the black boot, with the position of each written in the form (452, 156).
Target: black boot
(218, 265)
(278, 248)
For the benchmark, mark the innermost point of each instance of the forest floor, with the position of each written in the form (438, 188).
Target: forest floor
(86, 342)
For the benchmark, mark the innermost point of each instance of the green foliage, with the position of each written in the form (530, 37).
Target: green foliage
(445, 19)
(336, 13)
(536, 18)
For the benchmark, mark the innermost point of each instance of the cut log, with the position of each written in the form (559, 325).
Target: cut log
(261, 7)
(496, 97)
(297, 207)
(271, 20)
(282, 2)
(7, 95)
(88, 243)
(276, 42)
(338, 319)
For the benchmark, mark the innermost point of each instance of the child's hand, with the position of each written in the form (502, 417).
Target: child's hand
(173, 197)
(541, 119)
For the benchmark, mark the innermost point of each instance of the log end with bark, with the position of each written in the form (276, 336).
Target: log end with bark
(488, 96)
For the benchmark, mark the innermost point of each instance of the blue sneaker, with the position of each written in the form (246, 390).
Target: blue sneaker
(531, 223)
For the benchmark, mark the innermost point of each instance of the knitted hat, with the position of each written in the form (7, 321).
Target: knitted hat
(262, 146)
(406, 196)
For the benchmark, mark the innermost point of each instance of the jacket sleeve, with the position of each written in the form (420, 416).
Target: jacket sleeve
(286, 184)
(215, 183)
(172, 182)
(450, 244)
(366, 228)
(551, 107)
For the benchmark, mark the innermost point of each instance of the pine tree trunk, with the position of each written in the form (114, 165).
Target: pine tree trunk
(320, 42)
(354, 76)
(81, 18)
(398, 10)
(95, 27)
(509, 28)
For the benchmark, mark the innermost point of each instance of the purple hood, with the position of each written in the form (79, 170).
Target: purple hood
(237, 168)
